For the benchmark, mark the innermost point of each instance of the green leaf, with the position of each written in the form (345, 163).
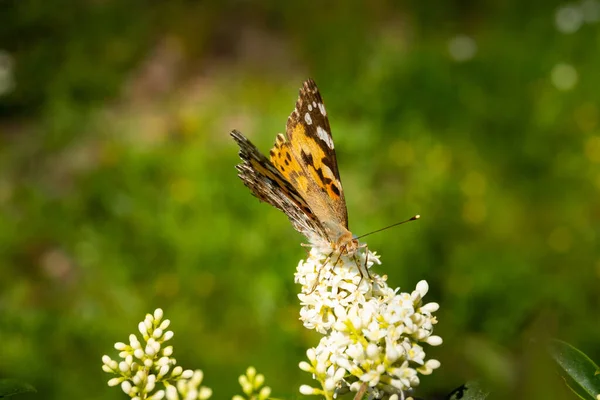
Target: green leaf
(10, 387)
(578, 370)
(468, 391)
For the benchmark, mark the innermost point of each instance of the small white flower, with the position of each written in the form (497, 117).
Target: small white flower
(126, 387)
(168, 351)
(204, 393)
(142, 328)
(159, 395)
(307, 390)
(164, 370)
(434, 340)
(264, 393)
(171, 393)
(120, 346)
(304, 366)
(115, 381)
(165, 324)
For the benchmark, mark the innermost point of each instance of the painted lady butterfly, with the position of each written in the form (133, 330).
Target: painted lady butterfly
(301, 178)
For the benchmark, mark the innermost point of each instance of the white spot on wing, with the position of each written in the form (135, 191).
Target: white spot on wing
(322, 108)
(310, 107)
(328, 173)
(325, 136)
(314, 104)
(308, 119)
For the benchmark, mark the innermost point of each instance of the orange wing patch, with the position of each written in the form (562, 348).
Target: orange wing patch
(286, 163)
(316, 161)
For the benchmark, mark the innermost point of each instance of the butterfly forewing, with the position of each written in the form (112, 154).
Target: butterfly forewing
(310, 142)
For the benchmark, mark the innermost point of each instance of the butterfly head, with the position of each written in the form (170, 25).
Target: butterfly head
(347, 245)
(342, 240)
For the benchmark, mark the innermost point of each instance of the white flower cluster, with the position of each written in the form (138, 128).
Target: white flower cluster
(252, 386)
(143, 365)
(372, 334)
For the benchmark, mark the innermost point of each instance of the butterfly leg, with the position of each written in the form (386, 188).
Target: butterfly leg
(308, 247)
(319, 273)
(361, 391)
(366, 246)
(363, 269)
(360, 269)
(342, 249)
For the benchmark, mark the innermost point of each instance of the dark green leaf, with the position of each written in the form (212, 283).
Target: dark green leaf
(10, 387)
(468, 391)
(578, 370)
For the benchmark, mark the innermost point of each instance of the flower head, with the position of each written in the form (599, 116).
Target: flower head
(373, 334)
(253, 386)
(147, 362)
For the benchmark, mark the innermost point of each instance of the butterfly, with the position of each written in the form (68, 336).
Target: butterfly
(301, 176)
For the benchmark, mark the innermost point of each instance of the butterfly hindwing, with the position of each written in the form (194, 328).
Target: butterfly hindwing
(269, 185)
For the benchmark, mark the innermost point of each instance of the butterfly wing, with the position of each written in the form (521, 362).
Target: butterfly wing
(271, 186)
(306, 158)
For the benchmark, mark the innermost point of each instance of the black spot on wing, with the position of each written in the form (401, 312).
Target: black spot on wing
(307, 159)
(334, 189)
(324, 180)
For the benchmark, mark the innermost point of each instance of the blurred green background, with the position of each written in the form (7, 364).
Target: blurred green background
(118, 192)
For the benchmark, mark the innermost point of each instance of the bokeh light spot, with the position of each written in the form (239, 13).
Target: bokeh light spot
(7, 82)
(564, 76)
(590, 10)
(568, 19)
(462, 48)
(57, 264)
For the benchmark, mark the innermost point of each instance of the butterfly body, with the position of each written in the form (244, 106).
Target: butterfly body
(301, 177)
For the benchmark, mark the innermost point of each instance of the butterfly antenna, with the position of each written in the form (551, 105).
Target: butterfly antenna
(416, 217)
